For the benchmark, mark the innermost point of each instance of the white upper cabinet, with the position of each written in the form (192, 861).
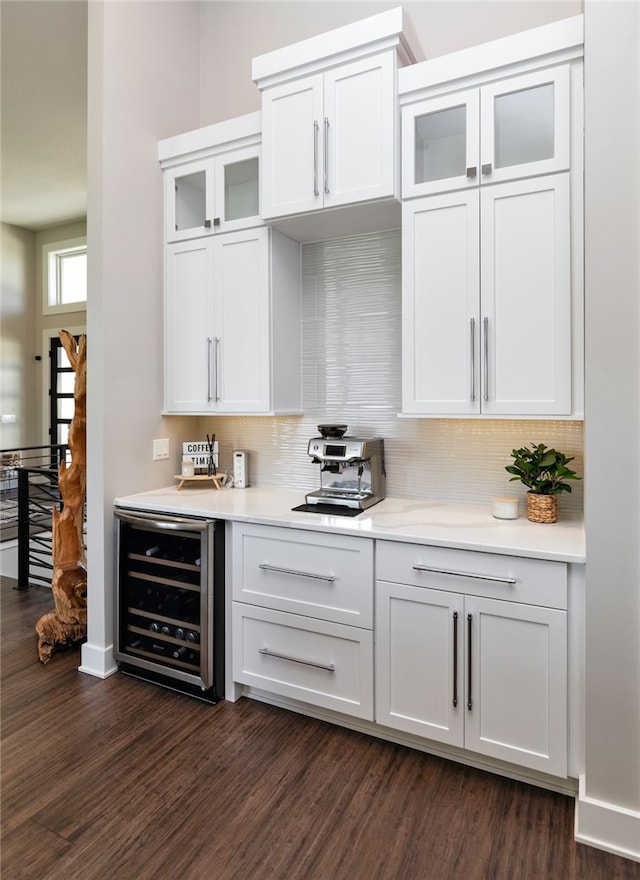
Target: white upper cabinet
(293, 159)
(232, 324)
(525, 332)
(516, 127)
(329, 139)
(212, 179)
(330, 118)
(525, 125)
(492, 306)
(440, 144)
(487, 301)
(441, 305)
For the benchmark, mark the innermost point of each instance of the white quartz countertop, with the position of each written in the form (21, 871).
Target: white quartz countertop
(414, 520)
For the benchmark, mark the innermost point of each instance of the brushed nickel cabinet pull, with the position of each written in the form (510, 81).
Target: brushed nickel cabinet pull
(473, 359)
(209, 344)
(479, 577)
(326, 154)
(485, 323)
(307, 574)
(469, 661)
(216, 355)
(486, 168)
(316, 127)
(455, 658)
(330, 667)
(472, 171)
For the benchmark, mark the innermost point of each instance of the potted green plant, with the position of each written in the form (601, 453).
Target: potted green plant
(544, 472)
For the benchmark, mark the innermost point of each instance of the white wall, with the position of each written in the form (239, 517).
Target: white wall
(234, 32)
(18, 370)
(143, 85)
(609, 806)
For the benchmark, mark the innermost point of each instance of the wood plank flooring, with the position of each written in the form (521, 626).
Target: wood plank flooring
(119, 779)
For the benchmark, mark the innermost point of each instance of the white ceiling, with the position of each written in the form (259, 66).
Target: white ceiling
(43, 138)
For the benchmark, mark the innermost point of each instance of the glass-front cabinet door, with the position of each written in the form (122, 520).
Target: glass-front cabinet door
(524, 125)
(440, 144)
(217, 194)
(237, 203)
(517, 127)
(189, 200)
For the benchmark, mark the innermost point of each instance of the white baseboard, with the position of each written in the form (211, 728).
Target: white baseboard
(606, 826)
(97, 661)
(449, 753)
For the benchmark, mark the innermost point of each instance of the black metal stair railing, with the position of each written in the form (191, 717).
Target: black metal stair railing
(36, 470)
(38, 494)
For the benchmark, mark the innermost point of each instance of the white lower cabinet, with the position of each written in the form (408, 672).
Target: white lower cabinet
(469, 649)
(316, 661)
(484, 674)
(303, 616)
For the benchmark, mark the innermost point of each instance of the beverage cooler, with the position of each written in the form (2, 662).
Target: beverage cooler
(170, 601)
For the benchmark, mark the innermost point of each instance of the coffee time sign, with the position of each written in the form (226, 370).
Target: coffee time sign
(200, 453)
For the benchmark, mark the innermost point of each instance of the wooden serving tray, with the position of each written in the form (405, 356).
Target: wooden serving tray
(198, 478)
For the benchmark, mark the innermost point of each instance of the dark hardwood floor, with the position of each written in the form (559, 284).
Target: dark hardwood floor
(119, 779)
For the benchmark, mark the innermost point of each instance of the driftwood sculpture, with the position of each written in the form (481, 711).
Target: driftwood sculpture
(67, 623)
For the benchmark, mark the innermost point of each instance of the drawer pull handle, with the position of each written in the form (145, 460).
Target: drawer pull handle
(469, 661)
(330, 667)
(455, 659)
(466, 574)
(306, 574)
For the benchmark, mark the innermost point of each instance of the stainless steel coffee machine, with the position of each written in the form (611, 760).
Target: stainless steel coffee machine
(352, 471)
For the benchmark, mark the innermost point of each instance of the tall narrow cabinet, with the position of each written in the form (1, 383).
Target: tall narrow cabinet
(492, 229)
(232, 284)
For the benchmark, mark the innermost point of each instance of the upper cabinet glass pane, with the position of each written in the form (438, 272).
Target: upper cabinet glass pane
(524, 126)
(190, 200)
(241, 189)
(440, 139)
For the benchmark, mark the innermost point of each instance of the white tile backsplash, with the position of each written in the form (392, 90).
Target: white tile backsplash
(351, 337)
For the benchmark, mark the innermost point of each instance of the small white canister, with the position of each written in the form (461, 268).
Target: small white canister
(505, 508)
(188, 468)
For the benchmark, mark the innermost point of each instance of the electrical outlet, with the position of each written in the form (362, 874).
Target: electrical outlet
(8, 419)
(160, 449)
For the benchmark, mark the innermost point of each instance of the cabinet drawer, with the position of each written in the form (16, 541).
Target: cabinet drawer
(318, 662)
(514, 578)
(325, 576)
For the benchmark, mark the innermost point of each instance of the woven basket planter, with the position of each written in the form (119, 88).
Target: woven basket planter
(542, 508)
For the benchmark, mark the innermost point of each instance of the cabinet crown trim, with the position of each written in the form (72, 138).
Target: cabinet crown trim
(241, 131)
(379, 31)
(563, 39)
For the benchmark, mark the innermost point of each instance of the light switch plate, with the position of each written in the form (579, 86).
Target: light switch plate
(160, 449)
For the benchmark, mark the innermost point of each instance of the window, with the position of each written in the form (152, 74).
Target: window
(58, 387)
(65, 275)
(61, 387)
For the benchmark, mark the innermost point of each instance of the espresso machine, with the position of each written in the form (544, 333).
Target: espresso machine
(351, 470)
